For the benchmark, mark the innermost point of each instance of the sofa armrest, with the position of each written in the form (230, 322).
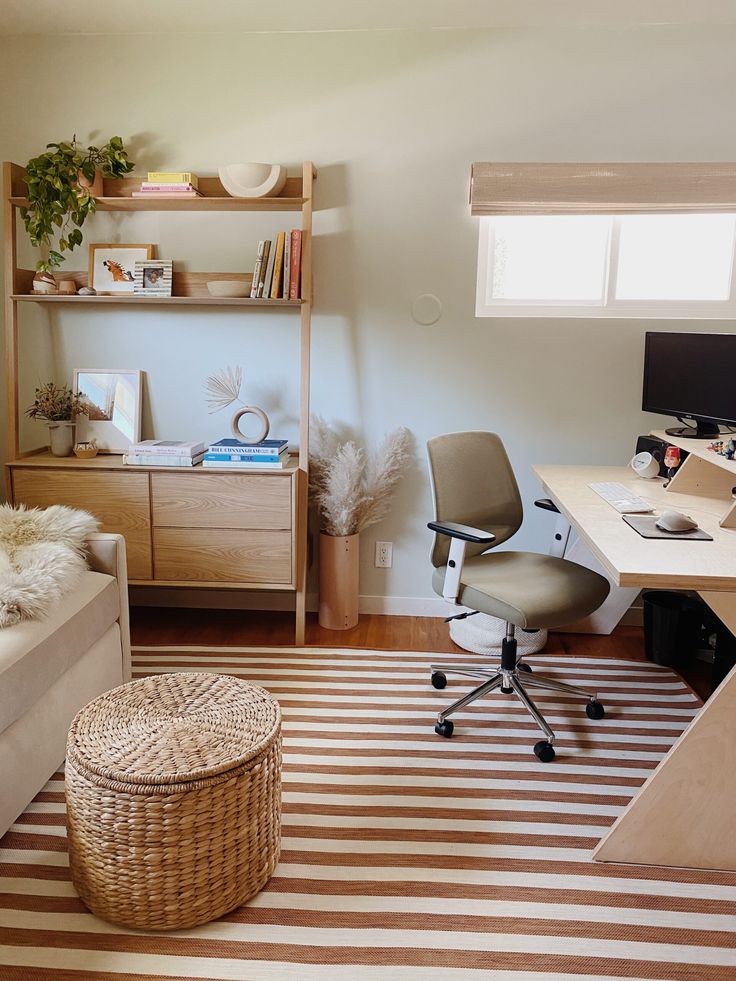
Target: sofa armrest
(106, 553)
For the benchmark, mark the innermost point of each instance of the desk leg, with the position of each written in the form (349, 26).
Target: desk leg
(682, 816)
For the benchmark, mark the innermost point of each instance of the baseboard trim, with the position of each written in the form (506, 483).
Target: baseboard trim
(212, 599)
(396, 606)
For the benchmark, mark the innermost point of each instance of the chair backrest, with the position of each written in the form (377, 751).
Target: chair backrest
(473, 483)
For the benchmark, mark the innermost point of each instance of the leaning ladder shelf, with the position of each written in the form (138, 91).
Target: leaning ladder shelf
(189, 289)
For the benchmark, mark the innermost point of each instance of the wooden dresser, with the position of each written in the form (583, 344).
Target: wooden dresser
(209, 528)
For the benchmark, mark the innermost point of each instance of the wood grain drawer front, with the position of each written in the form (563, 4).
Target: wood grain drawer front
(119, 501)
(222, 555)
(221, 500)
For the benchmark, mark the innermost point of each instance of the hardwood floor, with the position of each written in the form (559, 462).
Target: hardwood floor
(239, 628)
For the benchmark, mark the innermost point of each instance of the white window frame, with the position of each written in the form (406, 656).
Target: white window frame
(609, 307)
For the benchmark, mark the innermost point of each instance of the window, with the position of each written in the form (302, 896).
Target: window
(634, 265)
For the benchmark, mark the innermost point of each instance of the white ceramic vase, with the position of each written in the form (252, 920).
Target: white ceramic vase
(61, 438)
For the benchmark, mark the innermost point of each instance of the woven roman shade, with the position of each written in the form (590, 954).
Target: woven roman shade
(601, 188)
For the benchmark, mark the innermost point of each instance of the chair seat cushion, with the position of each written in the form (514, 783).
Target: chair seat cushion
(36, 653)
(528, 589)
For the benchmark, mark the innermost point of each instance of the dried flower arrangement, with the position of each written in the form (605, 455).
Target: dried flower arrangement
(351, 488)
(53, 404)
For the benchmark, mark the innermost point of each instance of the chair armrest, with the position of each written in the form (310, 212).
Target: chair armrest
(106, 553)
(546, 505)
(464, 532)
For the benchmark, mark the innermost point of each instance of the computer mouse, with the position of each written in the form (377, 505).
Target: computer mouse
(675, 521)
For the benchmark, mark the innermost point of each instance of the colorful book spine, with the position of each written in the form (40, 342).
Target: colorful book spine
(166, 448)
(269, 447)
(247, 457)
(172, 177)
(152, 460)
(174, 187)
(242, 465)
(264, 267)
(257, 269)
(287, 265)
(268, 278)
(295, 263)
(168, 194)
(277, 282)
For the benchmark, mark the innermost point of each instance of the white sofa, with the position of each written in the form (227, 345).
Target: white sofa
(50, 668)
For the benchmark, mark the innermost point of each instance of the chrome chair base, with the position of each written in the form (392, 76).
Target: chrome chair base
(508, 677)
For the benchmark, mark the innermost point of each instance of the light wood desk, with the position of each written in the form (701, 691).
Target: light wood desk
(683, 814)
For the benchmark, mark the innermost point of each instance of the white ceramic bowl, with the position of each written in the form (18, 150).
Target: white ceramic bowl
(230, 287)
(253, 180)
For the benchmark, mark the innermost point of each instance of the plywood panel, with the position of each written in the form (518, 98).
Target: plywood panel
(119, 501)
(222, 555)
(222, 500)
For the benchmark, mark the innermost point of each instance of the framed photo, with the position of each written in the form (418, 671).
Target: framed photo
(113, 397)
(112, 266)
(152, 277)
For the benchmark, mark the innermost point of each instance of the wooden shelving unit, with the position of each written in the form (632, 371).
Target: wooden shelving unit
(273, 553)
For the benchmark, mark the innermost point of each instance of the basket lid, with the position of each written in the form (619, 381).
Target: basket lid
(173, 728)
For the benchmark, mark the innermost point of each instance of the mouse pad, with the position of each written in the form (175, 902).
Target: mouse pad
(646, 527)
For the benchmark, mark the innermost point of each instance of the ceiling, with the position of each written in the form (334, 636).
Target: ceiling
(254, 16)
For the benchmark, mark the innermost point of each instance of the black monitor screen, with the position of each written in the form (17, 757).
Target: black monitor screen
(691, 375)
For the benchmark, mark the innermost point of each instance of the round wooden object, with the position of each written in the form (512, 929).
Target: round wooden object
(173, 789)
(338, 581)
(259, 414)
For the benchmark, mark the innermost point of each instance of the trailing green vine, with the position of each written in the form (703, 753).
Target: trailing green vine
(58, 203)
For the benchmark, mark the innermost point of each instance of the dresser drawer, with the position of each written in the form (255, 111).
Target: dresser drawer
(221, 500)
(222, 555)
(118, 500)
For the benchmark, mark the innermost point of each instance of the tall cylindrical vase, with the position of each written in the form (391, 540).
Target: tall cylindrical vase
(338, 581)
(61, 438)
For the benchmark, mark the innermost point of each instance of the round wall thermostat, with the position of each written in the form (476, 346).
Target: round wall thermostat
(426, 309)
(644, 465)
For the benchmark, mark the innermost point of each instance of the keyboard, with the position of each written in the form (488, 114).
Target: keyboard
(620, 497)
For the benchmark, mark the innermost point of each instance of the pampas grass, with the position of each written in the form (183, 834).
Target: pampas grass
(351, 488)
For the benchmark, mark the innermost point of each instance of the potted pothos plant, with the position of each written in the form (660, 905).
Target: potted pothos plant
(59, 407)
(62, 184)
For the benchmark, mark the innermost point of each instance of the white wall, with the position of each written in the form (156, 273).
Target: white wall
(393, 121)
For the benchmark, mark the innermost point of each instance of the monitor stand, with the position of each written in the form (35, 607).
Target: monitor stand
(701, 430)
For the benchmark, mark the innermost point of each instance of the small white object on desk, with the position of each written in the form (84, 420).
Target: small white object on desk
(620, 497)
(676, 521)
(645, 465)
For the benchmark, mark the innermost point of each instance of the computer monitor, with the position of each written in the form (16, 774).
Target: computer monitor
(691, 376)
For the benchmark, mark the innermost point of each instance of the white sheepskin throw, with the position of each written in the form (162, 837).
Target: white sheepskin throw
(41, 558)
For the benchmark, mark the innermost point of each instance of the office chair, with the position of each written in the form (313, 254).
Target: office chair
(477, 507)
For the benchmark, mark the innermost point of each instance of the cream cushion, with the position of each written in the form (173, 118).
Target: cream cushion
(527, 589)
(34, 654)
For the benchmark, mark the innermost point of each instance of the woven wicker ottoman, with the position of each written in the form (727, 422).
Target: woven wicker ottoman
(173, 793)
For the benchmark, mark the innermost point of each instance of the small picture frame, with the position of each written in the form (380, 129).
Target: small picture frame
(152, 277)
(112, 266)
(114, 398)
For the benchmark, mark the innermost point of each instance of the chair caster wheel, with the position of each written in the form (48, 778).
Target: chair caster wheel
(544, 751)
(438, 680)
(444, 728)
(594, 710)
(523, 667)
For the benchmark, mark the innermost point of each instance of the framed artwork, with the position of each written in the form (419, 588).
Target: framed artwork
(112, 266)
(113, 397)
(152, 277)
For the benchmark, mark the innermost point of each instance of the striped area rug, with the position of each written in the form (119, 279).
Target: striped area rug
(407, 856)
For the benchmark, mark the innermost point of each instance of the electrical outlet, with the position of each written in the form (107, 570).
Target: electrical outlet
(384, 555)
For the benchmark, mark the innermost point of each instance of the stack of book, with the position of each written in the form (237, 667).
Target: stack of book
(277, 273)
(164, 453)
(234, 454)
(169, 184)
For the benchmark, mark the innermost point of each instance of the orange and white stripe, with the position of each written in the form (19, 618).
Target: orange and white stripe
(406, 856)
